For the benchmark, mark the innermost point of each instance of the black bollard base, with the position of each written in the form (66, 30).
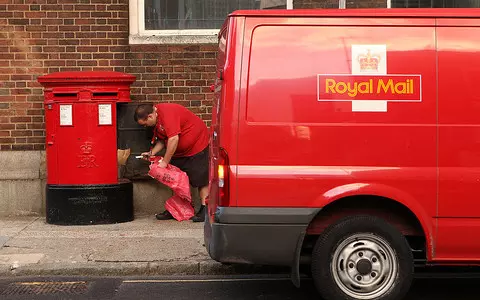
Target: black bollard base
(89, 204)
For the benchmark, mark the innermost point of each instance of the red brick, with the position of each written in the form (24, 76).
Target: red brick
(40, 28)
(68, 15)
(101, 42)
(22, 133)
(50, 7)
(7, 140)
(54, 49)
(195, 83)
(7, 126)
(16, 7)
(6, 56)
(21, 119)
(35, 112)
(101, 14)
(52, 21)
(67, 28)
(86, 7)
(86, 63)
(54, 63)
(53, 35)
(38, 133)
(18, 21)
(85, 22)
(35, 14)
(195, 96)
(87, 49)
(70, 56)
(36, 126)
(35, 140)
(102, 55)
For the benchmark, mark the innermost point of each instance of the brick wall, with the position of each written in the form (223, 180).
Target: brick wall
(38, 37)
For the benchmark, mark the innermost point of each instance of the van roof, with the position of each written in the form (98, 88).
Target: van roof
(367, 12)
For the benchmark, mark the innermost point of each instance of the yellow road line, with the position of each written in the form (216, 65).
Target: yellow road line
(203, 280)
(51, 282)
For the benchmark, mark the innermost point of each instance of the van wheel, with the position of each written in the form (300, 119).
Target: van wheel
(362, 257)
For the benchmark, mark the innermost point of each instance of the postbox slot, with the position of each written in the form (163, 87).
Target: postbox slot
(104, 95)
(65, 95)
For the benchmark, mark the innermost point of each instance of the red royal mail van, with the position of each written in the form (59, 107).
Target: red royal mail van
(348, 140)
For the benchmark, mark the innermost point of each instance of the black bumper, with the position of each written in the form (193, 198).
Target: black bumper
(265, 236)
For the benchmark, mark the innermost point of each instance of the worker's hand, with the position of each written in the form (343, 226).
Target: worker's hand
(162, 164)
(146, 155)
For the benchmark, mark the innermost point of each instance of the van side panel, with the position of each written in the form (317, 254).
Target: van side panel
(459, 143)
(308, 134)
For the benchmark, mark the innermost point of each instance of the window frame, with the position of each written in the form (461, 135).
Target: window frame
(139, 35)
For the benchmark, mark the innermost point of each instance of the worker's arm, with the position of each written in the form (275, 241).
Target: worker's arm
(171, 148)
(157, 148)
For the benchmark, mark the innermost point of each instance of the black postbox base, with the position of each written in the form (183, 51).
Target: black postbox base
(89, 204)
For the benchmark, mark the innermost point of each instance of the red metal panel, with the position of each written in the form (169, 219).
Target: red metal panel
(51, 113)
(459, 143)
(297, 151)
(81, 125)
(409, 15)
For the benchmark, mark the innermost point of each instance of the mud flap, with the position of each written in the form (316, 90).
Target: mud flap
(295, 269)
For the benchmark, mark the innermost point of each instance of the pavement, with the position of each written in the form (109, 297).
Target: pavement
(145, 246)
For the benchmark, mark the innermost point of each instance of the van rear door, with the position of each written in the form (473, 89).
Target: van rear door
(459, 139)
(216, 154)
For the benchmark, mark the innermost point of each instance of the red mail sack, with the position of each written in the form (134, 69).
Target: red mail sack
(180, 204)
(180, 208)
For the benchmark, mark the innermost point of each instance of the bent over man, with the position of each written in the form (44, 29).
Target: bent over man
(186, 139)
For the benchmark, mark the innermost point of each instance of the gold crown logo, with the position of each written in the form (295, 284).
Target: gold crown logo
(368, 61)
(86, 148)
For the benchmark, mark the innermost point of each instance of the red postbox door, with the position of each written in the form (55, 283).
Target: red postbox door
(85, 143)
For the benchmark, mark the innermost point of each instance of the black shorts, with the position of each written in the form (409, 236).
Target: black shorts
(195, 166)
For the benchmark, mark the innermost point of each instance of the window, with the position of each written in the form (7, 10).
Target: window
(435, 3)
(187, 21)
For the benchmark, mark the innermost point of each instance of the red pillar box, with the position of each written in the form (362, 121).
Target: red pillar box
(81, 145)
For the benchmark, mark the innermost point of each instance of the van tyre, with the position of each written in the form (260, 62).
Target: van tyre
(362, 257)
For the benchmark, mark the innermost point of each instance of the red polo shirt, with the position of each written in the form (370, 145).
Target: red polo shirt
(173, 119)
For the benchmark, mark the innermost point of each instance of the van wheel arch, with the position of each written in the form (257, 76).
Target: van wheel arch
(403, 219)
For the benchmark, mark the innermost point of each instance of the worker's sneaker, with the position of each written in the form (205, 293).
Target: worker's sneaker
(200, 215)
(164, 216)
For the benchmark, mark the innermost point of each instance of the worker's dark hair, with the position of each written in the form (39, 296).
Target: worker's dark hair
(142, 111)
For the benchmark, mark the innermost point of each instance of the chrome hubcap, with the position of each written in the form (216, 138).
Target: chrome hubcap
(364, 266)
